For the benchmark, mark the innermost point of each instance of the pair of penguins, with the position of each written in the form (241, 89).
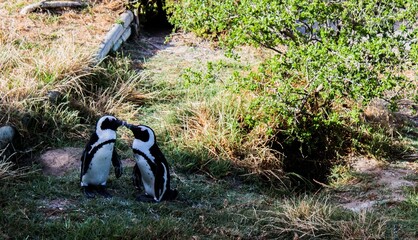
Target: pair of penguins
(151, 169)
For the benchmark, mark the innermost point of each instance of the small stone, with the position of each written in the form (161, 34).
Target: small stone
(7, 134)
(54, 97)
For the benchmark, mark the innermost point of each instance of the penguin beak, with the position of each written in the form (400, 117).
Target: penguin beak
(127, 125)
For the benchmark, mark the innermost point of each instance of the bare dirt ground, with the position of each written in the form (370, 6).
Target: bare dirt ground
(381, 182)
(57, 162)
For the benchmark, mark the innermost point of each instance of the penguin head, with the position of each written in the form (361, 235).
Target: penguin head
(142, 133)
(108, 123)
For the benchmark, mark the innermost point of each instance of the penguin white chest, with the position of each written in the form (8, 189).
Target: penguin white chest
(148, 178)
(99, 168)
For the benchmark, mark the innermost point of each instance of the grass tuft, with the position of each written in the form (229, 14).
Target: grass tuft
(308, 217)
(9, 170)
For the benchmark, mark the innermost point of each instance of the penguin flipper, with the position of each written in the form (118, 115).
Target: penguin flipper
(117, 164)
(136, 177)
(161, 170)
(85, 162)
(85, 157)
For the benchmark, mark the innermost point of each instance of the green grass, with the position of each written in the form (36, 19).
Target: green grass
(403, 219)
(45, 207)
(40, 206)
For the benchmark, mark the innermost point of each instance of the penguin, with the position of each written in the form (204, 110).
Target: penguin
(97, 156)
(151, 168)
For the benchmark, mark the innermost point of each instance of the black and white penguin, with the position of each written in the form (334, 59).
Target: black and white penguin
(98, 154)
(151, 166)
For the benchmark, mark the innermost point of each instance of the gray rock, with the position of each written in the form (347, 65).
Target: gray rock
(7, 134)
(54, 97)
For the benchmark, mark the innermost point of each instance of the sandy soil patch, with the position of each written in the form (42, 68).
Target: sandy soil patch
(57, 162)
(385, 184)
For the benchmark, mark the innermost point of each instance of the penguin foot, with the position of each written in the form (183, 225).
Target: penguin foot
(145, 198)
(102, 191)
(88, 192)
(171, 195)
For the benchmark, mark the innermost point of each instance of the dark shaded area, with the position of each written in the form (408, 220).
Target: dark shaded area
(35, 131)
(154, 17)
(308, 164)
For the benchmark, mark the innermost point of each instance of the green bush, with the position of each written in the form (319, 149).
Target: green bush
(333, 58)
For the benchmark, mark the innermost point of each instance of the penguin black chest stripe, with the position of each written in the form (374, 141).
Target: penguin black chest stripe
(89, 156)
(151, 164)
(94, 150)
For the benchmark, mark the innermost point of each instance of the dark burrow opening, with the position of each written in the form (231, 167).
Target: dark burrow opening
(153, 16)
(309, 164)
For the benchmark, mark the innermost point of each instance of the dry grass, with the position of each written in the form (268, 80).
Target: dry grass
(42, 47)
(5, 166)
(212, 126)
(40, 50)
(311, 217)
(8, 169)
(52, 51)
(206, 125)
(50, 87)
(113, 99)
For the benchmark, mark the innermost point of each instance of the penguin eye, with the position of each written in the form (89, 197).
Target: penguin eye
(143, 135)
